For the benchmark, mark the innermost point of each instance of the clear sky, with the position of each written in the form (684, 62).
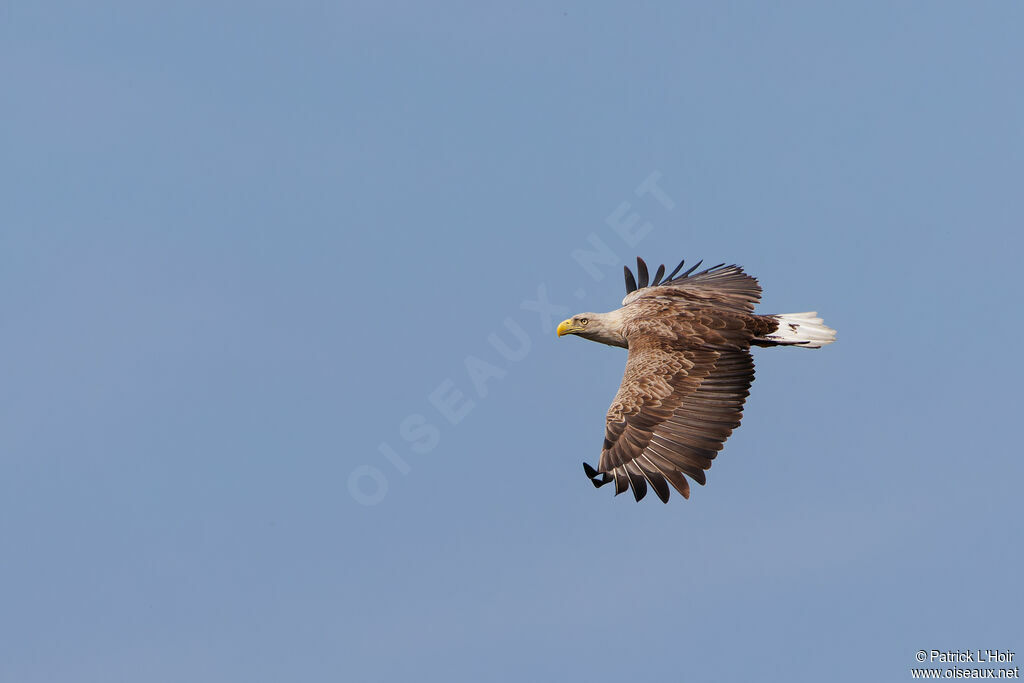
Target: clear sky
(281, 397)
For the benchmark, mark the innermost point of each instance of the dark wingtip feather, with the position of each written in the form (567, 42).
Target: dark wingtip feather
(695, 267)
(598, 479)
(621, 481)
(657, 275)
(630, 282)
(641, 273)
(659, 485)
(636, 481)
(672, 275)
(639, 488)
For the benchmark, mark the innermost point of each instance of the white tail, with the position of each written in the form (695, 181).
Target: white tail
(800, 329)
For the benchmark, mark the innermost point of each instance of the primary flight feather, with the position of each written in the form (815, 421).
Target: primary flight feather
(688, 371)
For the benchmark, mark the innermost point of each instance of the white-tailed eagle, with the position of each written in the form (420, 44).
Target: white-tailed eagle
(688, 371)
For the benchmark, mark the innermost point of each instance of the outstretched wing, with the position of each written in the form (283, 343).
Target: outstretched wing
(676, 406)
(720, 285)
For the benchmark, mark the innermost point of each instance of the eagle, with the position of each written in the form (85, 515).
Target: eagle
(688, 371)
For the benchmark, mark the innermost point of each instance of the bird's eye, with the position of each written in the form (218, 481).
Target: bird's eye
(583, 321)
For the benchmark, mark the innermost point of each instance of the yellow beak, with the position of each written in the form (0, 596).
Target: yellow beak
(564, 327)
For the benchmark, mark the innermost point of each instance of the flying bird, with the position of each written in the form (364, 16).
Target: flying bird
(688, 371)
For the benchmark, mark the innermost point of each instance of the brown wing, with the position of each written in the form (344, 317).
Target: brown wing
(721, 285)
(679, 400)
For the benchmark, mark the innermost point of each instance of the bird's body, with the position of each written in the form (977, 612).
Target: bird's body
(688, 372)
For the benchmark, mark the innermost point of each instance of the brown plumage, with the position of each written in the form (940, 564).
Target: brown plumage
(688, 371)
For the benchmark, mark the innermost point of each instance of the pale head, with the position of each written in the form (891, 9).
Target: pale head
(600, 327)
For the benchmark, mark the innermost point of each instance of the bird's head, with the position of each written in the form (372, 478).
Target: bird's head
(578, 324)
(599, 327)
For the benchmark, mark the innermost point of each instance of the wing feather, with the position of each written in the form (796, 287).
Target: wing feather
(636, 480)
(641, 273)
(655, 476)
(630, 281)
(657, 275)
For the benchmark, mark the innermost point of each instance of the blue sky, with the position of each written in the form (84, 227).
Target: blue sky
(249, 256)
